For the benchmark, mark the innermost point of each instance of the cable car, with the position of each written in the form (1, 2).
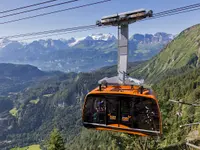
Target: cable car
(121, 103)
(128, 109)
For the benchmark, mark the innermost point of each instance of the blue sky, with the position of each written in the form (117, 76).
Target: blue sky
(89, 15)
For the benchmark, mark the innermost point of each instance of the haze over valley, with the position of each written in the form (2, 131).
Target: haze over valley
(81, 54)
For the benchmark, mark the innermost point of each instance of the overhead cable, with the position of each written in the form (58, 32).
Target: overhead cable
(40, 8)
(49, 31)
(23, 7)
(54, 12)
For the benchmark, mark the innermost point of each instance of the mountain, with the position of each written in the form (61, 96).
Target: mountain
(14, 78)
(20, 72)
(80, 54)
(180, 54)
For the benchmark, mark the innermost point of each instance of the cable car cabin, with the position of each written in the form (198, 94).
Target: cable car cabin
(129, 109)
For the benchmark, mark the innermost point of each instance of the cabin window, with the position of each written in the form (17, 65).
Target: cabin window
(99, 113)
(129, 111)
(95, 110)
(88, 111)
(146, 114)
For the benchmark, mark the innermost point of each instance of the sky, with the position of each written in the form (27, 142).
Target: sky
(89, 15)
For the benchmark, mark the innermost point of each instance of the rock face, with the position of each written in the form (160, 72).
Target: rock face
(159, 37)
(80, 54)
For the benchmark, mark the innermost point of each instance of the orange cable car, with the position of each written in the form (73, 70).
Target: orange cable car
(121, 103)
(129, 109)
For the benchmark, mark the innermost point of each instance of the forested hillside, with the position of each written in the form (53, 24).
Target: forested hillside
(171, 88)
(56, 101)
(182, 52)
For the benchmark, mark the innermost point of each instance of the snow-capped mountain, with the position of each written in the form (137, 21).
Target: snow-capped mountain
(98, 38)
(103, 37)
(95, 38)
(80, 54)
(76, 41)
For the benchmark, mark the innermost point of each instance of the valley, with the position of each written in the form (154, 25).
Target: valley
(42, 100)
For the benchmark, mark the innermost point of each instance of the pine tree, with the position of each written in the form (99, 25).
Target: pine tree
(55, 141)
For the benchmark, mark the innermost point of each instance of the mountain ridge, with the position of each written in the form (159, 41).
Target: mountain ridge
(158, 36)
(87, 54)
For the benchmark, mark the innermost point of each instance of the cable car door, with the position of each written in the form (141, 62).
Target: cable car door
(126, 112)
(119, 112)
(112, 111)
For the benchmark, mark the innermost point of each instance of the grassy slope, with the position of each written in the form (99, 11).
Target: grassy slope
(31, 147)
(35, 101)
(13, 112)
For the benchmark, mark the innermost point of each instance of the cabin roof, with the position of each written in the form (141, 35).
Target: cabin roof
(124, 90)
